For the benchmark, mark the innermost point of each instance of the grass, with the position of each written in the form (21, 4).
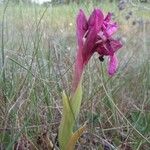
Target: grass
(38, 49)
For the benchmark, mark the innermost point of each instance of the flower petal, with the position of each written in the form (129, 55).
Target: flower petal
(111, 29)
(115, 44)
(102, 49)
(81, 27)
(108, 17)
(95, 22)
(112, 65)
(78, 70)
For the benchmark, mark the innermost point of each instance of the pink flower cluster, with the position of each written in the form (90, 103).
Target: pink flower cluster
(95, 35)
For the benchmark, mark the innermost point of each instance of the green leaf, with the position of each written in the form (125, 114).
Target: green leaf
(71, 108)
(76, 100)
(66, 125)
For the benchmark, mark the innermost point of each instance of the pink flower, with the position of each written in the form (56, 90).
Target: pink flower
(95, 35)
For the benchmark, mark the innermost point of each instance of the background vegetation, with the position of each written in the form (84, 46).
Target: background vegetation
(38, 48)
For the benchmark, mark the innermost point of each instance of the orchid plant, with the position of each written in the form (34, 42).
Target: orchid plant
(93, 35)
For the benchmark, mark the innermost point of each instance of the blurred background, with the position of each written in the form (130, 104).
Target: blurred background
(38, 47)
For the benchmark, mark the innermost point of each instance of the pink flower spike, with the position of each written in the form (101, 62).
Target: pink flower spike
(95, 35)
(112, 65)
(86, 36)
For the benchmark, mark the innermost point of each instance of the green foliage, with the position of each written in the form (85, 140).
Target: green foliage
(71, 108)
(39, 49)
(141, 121)
(17, 1)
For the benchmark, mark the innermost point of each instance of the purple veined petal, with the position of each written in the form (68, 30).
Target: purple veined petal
(111, 29)
(102, 49)
(88, 48)
(95, 22)
(101, 36)
(108, 17)
(115, 44)
(111, 45)
(112, 65)
(81, 30)
(81, 27)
